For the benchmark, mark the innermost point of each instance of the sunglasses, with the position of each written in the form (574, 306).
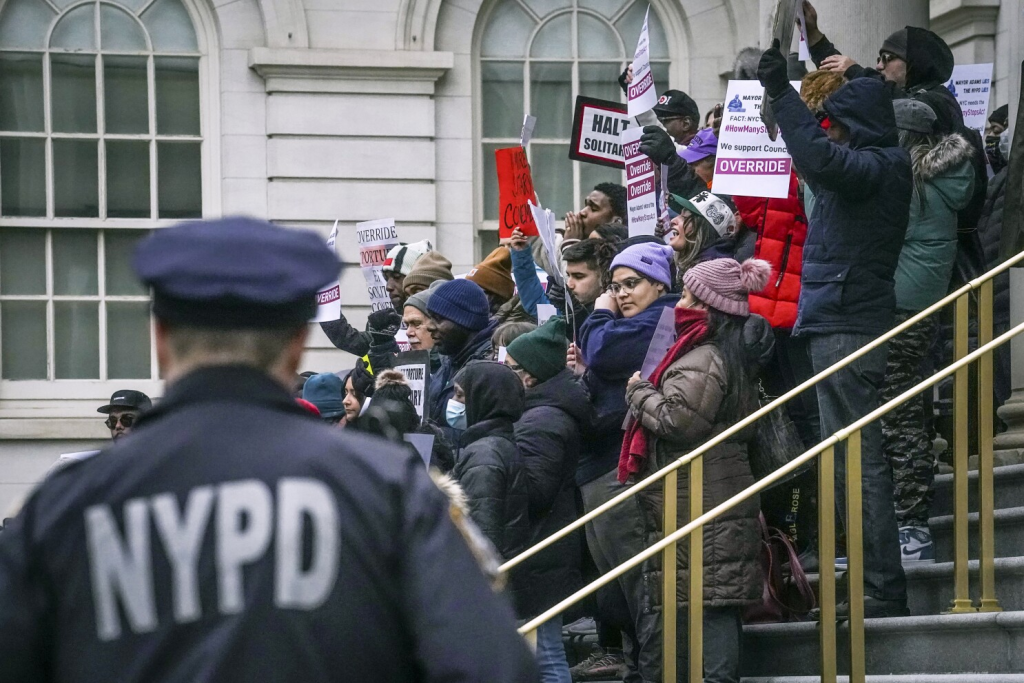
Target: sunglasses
(885, 57)
(128, 419)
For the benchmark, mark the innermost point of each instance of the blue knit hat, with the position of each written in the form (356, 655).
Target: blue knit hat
(650, 259)
(326, 391)
(462, 302)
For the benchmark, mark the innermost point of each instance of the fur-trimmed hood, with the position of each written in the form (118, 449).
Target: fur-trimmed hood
(950, 152)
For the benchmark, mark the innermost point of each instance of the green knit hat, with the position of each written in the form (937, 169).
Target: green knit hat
(542, 352)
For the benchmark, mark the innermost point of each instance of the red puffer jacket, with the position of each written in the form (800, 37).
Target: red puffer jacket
(781, 227)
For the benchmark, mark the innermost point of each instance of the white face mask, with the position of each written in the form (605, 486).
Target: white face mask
(455, 414)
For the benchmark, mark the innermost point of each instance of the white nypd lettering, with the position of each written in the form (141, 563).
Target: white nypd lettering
(120, 571)
(297, 499)
(244, 525)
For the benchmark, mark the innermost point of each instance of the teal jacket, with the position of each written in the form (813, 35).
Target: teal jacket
(944, 176)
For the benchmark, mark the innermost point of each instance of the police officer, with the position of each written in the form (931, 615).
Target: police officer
(232, 537)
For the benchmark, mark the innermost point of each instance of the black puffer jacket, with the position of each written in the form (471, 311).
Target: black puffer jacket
(990, 230)
(548, 435)
(489, 466)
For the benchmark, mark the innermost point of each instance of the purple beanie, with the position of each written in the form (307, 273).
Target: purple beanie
(724, 284)
(650, 259)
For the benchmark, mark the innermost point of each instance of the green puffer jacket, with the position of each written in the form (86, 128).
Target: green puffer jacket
(691, 406)
(943, 185)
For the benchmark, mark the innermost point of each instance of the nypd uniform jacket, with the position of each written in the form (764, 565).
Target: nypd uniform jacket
(231, 537)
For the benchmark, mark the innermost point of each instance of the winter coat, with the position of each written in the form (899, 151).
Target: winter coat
(929, 251)
(613, 349)
(990, 230)
(442, 385)
(863, 191)
(548, 436)
(489, 466)
(781, 227)
(692, 405)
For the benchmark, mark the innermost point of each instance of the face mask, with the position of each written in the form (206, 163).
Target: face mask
(456, 414)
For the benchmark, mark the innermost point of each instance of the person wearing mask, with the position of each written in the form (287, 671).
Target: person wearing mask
(705, 384)
(943, 184)
(606, 203)
(996, 130)
(702, 224)
(326, 391)
(548, 435)
(430, 268)
(399, 263)
(459, 323)
(863, 182)
(123, 410)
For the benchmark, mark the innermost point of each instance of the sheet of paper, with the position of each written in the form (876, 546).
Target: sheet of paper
(805, 52)
(641, 199)
(663, 339)
(376, 238)
(328, 299)
(545, 312)
(502, 353)
(971, 85)
(424, 445)
(529, 123)
(641, 93)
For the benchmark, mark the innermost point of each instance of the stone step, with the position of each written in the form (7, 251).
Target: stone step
(1009, 530)
(924, 646)
(1008, 482)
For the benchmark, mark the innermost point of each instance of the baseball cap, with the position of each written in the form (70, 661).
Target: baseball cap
(127, 398)
(703, 145)
(711, 207)
(676, 103)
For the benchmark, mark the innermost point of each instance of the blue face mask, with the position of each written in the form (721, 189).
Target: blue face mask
(456, 414)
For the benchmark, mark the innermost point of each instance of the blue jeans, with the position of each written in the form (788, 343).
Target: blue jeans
(844, 398)
(554, 668)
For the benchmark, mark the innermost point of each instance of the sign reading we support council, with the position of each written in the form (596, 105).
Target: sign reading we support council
(328, 299)
(515, 190)
(376, 238)
(641, 201)
(641, 93)
(749, 163)
(971, 85)
(596, 127)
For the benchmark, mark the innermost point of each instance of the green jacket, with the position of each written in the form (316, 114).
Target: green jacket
(945, 177)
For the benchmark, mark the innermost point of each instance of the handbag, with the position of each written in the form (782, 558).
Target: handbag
(783, 598)
(776, 442)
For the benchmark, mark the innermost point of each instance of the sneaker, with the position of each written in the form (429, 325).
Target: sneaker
(916, 545)
(600, 666)
(581, 627)
(842, 564)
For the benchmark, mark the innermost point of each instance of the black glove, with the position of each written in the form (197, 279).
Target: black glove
(383, 325)
(362, 380)
(657, 145)
(622, 80)
(773, 71)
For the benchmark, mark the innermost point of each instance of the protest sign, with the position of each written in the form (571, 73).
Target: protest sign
(971, 85)
(529, 123)
(783, 22)
(544, 219)
(376, 238)
(663, 339)
(596, 127)
(805, 52)
(328, 299)
(423, 443)
(641, 199)
(515, 190)
(749, 163)
(502, 353)
(641, 93)
(415, 366)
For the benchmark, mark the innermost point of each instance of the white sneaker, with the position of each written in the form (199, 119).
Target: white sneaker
(916, 546)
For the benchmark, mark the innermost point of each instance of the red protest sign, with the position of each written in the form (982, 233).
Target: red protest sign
(515, 187)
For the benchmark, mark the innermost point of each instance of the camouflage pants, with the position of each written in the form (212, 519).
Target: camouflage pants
(905, 435)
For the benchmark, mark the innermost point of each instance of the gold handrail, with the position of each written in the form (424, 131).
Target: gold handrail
(753, 417)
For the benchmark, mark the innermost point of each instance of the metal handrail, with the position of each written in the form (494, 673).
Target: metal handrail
(761, 412)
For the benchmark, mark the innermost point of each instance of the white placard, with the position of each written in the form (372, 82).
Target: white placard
(529, 123)
(423, 443)
(805, 52)
(77, 455)
(545, 312)
(641, 198)
(748, 163)
(328, 299)
(971, 85)
(376, 238)
(641, 92)
(545, 221)
(502, 353)
(416, 370)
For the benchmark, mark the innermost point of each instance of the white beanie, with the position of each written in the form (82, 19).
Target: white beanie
(401, 258)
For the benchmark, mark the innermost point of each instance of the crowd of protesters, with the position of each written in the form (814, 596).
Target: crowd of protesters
(892, 201)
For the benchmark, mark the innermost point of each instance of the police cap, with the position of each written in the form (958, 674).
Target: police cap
(235, 272)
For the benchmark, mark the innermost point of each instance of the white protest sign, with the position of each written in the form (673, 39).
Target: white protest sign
(529, 123)
(641, 198)
(376, 238)
(805, 52)
(502, 353)
(545, 221)
(971, 85)
(641, 92)
(423, 443)
(328, 299)
(415, 366)
(596, 126)
(545, 312)
(749, 163)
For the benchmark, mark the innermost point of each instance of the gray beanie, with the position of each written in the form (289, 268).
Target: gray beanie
(914, 116)
(419, 300)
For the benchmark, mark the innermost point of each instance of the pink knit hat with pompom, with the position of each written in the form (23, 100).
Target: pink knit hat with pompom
(724, 283)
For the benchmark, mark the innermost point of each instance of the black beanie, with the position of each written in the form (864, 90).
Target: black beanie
(896, 44)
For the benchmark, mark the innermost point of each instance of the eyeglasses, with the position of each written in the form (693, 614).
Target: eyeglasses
(885, 57)
(513, 367)
(127, 419)
(626, 286)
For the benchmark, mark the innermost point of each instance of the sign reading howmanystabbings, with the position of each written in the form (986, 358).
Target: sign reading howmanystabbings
(415, 365)
(971, 85)
(641, 198)
(596, 127)
(328, 299)
(515, 190)
(376, 238)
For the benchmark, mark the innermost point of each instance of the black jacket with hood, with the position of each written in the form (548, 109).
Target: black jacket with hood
(859, 221)
(489, 466)
(558, 411)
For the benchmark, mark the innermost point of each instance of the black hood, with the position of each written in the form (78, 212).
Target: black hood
(864, 105)
(929, 59)
(564, 392)
(492, 390)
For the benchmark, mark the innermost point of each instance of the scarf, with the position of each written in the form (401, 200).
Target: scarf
(692, 330)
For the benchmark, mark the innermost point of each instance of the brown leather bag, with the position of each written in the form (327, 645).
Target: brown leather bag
(785, 598)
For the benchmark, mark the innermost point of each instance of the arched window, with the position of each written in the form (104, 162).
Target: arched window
(535, 57)
(100, 139)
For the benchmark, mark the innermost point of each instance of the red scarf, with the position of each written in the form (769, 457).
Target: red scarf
(692, 329)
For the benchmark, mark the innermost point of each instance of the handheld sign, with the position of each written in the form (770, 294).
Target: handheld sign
(544, 219)
(545, 312)
(804, 51)
(415, 366)
(641, 93)
(782, 30)
(529, 123)
(515, 189)
(596, 127)
(971, 85)
(641, 200)
(662, 340)
(328, 299)
(423, 443)
(376, 238)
